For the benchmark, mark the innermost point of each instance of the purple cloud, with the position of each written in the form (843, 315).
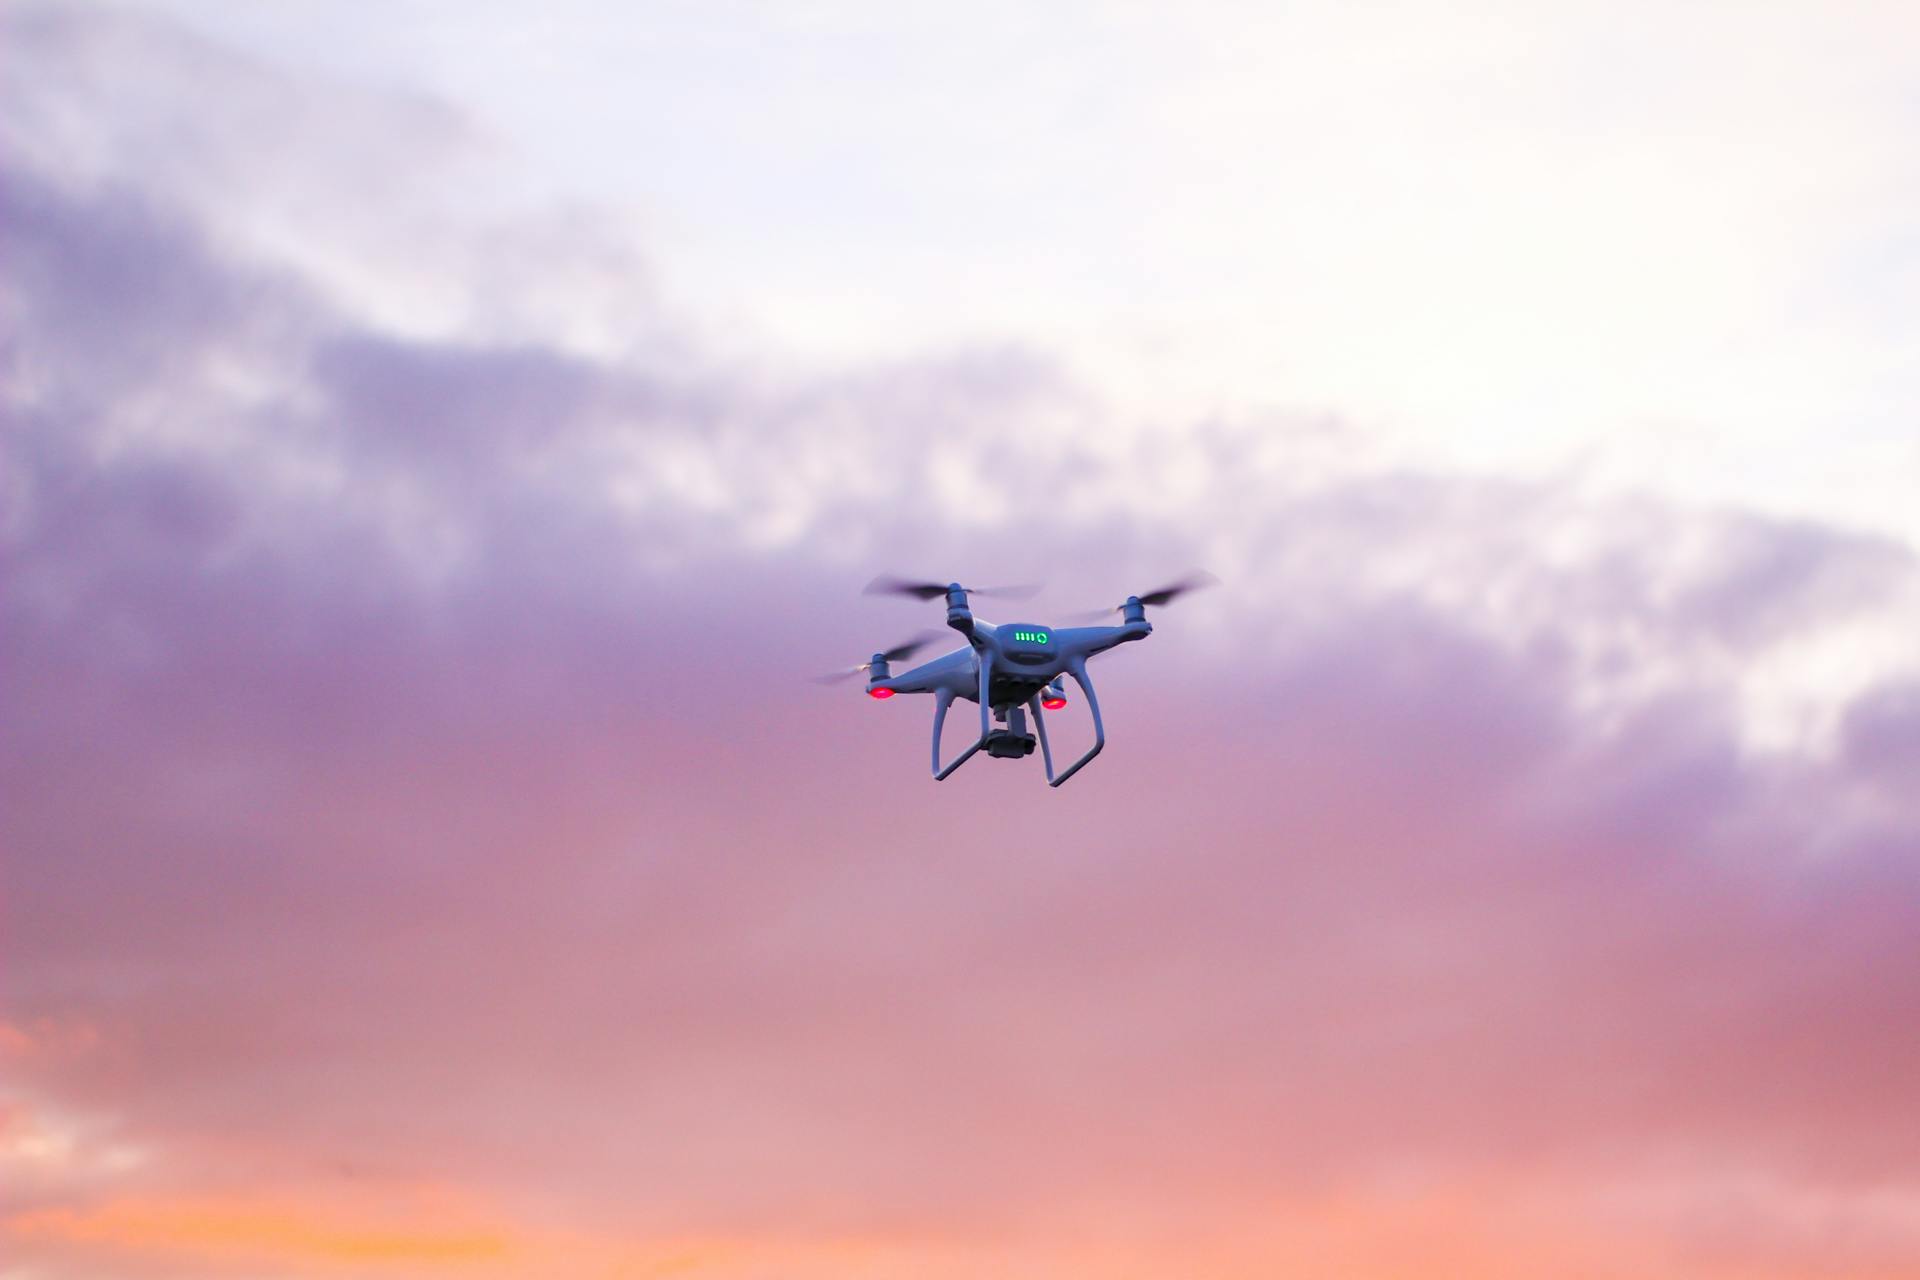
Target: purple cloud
(409, 775)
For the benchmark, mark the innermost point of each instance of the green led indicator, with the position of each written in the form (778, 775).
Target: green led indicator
(1031, 637)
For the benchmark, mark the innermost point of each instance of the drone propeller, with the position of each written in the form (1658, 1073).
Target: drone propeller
(885, 585)
(1159, 596)
(894, 654)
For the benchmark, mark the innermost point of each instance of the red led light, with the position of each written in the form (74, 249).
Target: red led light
(879, 693)
(1053, 704)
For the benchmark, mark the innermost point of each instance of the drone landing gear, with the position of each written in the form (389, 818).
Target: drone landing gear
(1014, 742)
(942, 699)
(1078, 671)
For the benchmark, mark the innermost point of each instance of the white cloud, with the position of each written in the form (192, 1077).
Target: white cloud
(341, 391)
(1669, 243)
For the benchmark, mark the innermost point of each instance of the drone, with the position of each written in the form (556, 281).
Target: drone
(1012, 669)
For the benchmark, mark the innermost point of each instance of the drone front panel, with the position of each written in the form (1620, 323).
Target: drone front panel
(1027, 643)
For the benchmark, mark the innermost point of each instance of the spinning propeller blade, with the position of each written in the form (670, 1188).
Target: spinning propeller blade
(887, 585)
(894, 654)
(1192, 582)
(1159, 596)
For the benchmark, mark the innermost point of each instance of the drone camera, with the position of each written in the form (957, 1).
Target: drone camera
(1005, 744)
(1012, 742)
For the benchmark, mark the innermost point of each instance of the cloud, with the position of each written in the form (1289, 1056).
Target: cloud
(410, 780)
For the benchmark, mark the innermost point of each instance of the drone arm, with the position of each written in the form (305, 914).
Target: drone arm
(1078, 670)
(1085, 642)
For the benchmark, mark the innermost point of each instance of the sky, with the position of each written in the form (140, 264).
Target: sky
(441, 440)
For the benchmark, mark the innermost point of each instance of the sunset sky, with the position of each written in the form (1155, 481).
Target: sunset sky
(441, 439)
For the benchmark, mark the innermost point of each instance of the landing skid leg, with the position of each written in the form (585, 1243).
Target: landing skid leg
(943, 699)
(1079, 673)
(1040, 727)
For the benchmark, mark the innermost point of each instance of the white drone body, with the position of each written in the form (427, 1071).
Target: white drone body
(1012, 670)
